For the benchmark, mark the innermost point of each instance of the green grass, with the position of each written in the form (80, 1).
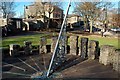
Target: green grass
(103, 41)
(35, 40)
(106, 41)
(20, 40)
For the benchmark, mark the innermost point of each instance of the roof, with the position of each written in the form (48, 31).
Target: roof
(72, 15)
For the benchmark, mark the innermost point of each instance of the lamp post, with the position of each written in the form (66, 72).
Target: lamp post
(105, 18)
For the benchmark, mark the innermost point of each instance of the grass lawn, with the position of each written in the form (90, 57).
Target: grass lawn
(106, 41)
(35, 40)
(20, 40)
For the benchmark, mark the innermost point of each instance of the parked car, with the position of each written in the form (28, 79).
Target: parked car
(115, 29)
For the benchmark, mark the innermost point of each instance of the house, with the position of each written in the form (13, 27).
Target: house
(12, 26)
(74, 20)
(37, 12)
(3, 21)
(15, 24)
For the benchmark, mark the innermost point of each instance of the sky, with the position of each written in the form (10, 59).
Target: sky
(20, 7)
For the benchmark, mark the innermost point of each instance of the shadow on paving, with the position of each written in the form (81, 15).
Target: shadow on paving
(90, 69)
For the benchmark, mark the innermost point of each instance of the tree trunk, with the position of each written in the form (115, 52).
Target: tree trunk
(91, 26)
(48, 26)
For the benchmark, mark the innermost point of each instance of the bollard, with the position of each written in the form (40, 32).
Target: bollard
(73, 45)
(107, 53)
(28, 47)
(14, 49)
(93, 49)
(84, 47)
(42, 47)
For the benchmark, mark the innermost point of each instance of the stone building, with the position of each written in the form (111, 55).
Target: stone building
(74, 20)
(41, 11)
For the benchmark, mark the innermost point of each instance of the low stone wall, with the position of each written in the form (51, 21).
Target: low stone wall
(75, 49)
(107, 53)
(87, 49)
(110, 56)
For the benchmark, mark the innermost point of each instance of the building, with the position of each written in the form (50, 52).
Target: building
(74, 20)
(11, 26)
(41, 12)
(3, 21)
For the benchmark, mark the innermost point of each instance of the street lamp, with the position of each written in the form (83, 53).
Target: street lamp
(105, 18)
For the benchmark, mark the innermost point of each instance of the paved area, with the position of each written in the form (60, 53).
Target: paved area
(89, 69)
(74, 67)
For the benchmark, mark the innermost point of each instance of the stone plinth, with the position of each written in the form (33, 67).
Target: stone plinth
(14, 49)
(53, 43)
(73, 45)
(93, 49)
(28, 47)
(107, 54)
(42, 47)
(84, 47)
(116, 61)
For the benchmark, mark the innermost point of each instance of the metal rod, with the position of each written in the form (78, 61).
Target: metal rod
(35, 63)
(14, 66)
(17, 74)
(28, 65)
(48, 72)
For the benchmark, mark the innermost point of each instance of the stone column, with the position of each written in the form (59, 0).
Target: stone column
(93, 49)
(84, 47)
(73, 45)
(116, 61)
(42, 47)
(14, 49)
(28, 47)
(66, 45)
(53, 43)
(107, 54)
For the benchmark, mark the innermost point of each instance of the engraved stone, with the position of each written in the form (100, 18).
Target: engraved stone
(42, 47)
(73, 45)
(84, 47)
(93, 49)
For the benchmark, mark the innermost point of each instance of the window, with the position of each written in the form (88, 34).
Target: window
(18, 24)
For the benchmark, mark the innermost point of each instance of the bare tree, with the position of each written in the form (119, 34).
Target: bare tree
(50, 8)
(116, 20)
(40, 9)
(7, 9)
(91, 11)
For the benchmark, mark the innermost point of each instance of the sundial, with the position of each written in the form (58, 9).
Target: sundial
(38, 66)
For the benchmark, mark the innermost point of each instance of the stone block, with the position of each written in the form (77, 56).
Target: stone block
(53, 43)
(28, 47)
(116, 61)
(107, 54)
(93, 49)
(84, 47)
(14, 49)
(42, 47)
(73, 45)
